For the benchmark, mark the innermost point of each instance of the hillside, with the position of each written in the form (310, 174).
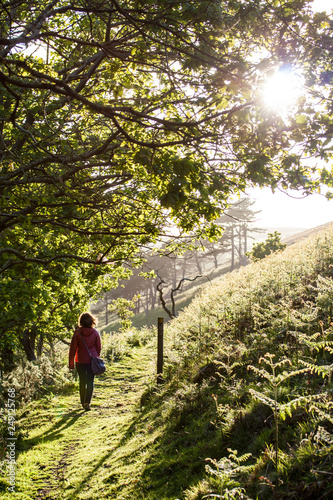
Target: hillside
(299, 235)
(262, 337)
(190, 289)
(245, 411)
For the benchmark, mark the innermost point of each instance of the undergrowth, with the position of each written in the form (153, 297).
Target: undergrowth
(117, 345)
(31, 380)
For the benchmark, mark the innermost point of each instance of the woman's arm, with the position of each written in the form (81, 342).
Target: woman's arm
(72, 351)
(98, 344)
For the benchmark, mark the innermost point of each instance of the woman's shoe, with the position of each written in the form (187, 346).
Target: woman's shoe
(87, 407)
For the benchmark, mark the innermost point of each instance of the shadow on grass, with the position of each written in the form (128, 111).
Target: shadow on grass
(127, 434)
(55, 432)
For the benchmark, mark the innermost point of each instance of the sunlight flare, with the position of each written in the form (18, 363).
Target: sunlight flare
(282, 90)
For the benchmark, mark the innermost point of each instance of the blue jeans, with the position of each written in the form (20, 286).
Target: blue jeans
(86, 377)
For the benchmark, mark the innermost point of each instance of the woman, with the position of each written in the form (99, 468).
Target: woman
(85, 337)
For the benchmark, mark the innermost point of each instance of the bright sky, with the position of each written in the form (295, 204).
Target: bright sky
(281, 210)
(321, 5)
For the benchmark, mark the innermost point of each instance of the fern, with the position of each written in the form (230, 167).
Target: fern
(324, 411)
(322, 370)
(228, 470)
(322, 436)
(274, 380)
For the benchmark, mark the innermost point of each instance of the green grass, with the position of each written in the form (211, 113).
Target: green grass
(122, 449)
(140, 441)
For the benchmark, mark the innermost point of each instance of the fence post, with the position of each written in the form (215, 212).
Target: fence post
(159, 350)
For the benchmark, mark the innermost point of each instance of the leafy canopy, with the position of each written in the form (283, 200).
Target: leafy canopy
(119, 117)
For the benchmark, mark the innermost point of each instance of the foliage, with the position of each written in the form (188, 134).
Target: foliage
(102, 125)
(228, 470)
(116, 345)
(275, 380)
(153, 443)
(270, 245)
(280, 300)
(123, 309)
(165, 273)
(51, 301)
(120, 121)
(32, 380)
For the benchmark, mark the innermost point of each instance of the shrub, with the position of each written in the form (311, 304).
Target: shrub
(33, 379)
(114, 347)
(117, 345)
(270, 245)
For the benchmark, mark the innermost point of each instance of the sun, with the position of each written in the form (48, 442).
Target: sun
(282, 90)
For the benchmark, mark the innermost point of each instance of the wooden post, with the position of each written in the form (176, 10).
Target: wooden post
(159, 350)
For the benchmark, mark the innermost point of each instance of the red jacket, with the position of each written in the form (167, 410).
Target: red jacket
(79, 350)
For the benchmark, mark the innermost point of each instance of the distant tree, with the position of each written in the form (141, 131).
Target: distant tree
(238, 223)
(270, 245)
(172, 270)
(172, 313)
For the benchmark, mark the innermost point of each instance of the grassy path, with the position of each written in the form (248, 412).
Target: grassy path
(72, 454)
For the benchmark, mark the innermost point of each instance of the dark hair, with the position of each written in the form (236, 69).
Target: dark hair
(87, 320)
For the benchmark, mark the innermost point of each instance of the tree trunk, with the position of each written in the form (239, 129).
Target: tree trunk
(40, 346)
(174, 273)
(106, 311)
(138, 306)
(28, 342)
(245, 245)
(152, 296)
(7, 359)
(240, 253)
(197, 260)
(163, 303)
(147, 300)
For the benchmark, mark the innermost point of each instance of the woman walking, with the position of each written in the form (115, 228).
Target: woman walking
(85, 337)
